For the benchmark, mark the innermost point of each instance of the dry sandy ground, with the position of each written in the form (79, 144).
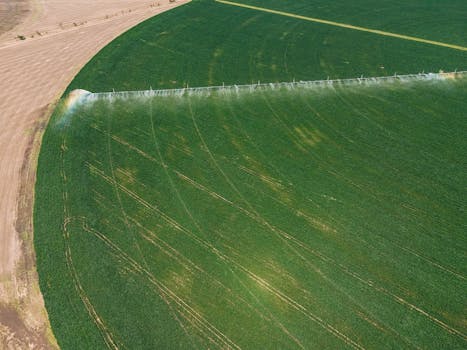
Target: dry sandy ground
(60, 37)
(12, 12)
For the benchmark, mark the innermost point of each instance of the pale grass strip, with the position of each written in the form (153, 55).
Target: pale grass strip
(344, 25)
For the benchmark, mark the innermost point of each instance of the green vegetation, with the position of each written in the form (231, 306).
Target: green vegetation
(323, 218)
(429, 19)
(207, 43)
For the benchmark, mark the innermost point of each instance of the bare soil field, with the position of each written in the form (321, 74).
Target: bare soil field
(12, 12)
(40, 56)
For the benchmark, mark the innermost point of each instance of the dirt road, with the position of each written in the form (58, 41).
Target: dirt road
(57, 39)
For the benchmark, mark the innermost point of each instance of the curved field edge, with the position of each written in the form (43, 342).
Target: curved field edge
(206, 43)
(113, 74)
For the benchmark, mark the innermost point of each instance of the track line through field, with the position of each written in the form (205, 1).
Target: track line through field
(117, 193)
(167, 292)
(169, 178)
(106, 334)
(332, 330)
(346, 270)
(198, 227)
(191, 266)
(218, 196)
(242, 129)
(67, 218)
(412, 252)
(344, 25)
(188, 264)
(407, 250)
(286, 238)
(128, 229)
(208, 246)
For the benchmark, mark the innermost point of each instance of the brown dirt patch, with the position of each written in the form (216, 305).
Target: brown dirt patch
(12, 13)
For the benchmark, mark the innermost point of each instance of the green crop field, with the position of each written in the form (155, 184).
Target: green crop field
(307, 218)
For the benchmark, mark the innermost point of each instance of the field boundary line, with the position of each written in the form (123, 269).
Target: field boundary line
(344, 25)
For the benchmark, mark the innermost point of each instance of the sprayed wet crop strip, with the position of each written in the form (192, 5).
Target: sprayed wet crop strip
(234, 89)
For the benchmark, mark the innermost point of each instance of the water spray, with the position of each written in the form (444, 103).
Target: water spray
(86, 96)
(73, 99)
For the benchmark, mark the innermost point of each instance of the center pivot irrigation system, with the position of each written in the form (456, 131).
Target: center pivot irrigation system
(83, 96)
